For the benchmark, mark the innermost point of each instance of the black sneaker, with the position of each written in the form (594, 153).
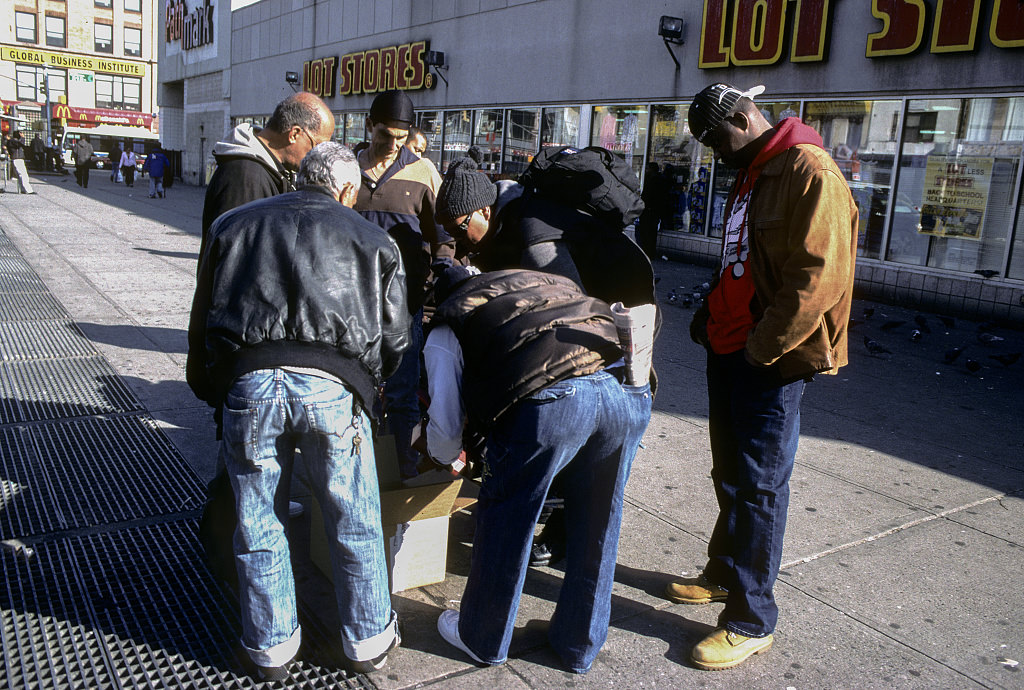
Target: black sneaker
(272, 674)
(377, 663)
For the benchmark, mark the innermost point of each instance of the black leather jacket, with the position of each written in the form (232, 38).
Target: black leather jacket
(297, 280)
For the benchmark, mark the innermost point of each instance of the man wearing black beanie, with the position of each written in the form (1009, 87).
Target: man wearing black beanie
(397, 193)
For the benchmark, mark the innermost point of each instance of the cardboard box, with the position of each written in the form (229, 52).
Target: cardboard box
(415, 522)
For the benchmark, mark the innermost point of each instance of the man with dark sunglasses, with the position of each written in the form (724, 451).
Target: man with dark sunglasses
(776, 315)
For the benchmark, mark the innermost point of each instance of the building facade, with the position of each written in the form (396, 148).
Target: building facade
(921, 102)
(78, 63)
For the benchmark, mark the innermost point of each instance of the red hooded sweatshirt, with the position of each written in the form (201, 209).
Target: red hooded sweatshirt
(729, 301)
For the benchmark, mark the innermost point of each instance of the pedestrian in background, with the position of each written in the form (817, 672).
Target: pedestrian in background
(16, 150)
(776, 315)
(156, 163)
(299, 311)
(38, 153)
(114, 158)
(416, 141)
(83, 155)
(127, 166)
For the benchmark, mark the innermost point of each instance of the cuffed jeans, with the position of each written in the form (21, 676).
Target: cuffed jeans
(754, 419)
(267, 415)
(589, 428)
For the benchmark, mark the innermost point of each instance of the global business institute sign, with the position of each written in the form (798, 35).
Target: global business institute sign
(193, 29)
(369, 71)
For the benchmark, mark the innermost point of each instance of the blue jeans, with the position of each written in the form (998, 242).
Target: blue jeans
(754, 419)
(588, 428)
(268, 414)
(402, 403)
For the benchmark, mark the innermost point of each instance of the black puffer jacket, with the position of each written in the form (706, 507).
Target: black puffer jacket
(522, 331)
(297, 280)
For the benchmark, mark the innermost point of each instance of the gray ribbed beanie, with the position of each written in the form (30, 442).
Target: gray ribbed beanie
(463, 190)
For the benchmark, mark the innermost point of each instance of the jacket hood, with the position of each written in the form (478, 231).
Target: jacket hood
(242, 142)
(507, 191)
(788, 133)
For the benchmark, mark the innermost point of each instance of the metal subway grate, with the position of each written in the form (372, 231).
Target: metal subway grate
(132, 608)
(43, 340)
(59, 389)
(7, 247)
(31, 306)
(48, 636)
(27, 504)
(17, 275)
(92, 472)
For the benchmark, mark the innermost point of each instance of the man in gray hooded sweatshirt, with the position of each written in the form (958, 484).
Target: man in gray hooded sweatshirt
(255, 163)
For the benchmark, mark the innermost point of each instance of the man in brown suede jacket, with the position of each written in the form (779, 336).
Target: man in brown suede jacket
(776, 316)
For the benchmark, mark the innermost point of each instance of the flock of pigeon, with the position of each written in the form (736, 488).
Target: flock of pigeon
(984, 335)
(920, 330)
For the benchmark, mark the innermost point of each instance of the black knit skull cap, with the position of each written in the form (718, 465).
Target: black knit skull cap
(392, 106)
(712, 105)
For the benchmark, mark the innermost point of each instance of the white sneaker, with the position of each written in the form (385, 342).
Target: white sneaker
(448, 626)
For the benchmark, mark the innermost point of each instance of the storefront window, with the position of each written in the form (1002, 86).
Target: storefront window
(56, 32)
(488, 132)
(560, 127)
(32, 79)
(132, 41)
(25, 27)
(430, 123)
(124, 93)
(861, 138)
(354, 129)
(457, 134)
(522, 141)
(958, 179)
(621, 129)
(685, 166)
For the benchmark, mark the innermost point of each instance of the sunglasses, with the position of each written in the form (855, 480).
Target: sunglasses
(462, 227)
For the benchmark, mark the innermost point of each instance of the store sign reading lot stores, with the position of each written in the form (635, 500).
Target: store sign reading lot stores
(369, 71)
(955, 195)
(752, 32)
(66, 61)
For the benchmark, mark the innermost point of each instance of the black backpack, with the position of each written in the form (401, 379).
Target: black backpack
(591, 179)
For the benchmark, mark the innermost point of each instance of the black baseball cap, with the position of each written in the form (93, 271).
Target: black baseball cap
(392, 106)
(712, 105)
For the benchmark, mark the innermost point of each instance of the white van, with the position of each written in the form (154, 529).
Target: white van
(104, 138)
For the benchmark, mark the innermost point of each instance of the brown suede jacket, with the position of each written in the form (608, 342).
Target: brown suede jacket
(803, 244)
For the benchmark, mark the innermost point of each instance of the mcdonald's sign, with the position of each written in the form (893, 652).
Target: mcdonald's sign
(62, 111)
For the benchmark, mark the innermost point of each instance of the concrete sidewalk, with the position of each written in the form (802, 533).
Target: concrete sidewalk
(903, 561)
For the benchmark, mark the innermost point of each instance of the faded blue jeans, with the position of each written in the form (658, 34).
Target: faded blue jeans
(754, 419)
(269, 414)
(588, 428)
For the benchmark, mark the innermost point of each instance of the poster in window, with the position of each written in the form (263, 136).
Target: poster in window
(955, 196)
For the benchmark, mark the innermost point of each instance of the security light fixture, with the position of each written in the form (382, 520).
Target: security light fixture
(671, 30)
(435, 59)
(292, 79)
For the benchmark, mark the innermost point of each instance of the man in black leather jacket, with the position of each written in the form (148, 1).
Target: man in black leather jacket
(299, 313)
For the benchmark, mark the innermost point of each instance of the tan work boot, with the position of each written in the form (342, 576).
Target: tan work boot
(724, 649)
(695, 590)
